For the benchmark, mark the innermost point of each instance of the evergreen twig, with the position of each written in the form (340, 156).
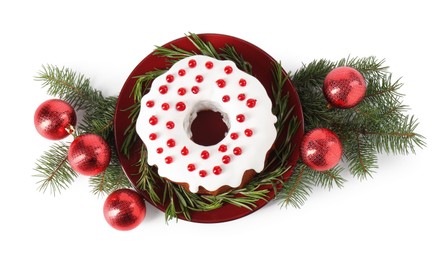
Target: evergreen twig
(54, 170)
(97, 118)
(378, 124)
(70, 86)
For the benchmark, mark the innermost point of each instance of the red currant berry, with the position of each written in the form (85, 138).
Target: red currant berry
(150, 103)
(181, 72)
(184, 151)
(221, 83)
(217, 170)
(182, 91)
(169, 78)
(192, 63)
(191, 167)
(205, 154)
(199, 78)
(153, 120)
(202, 173)
(163, 89)
(251, 103)
(242, 82)
(237, 151)
(226, 159)
(180, 106)
(222, 148)
(168, 159)
(209, 65)
(170, 125)
(171, 143)
(195, 90)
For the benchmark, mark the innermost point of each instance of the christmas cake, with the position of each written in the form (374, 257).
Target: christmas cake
(176, 98)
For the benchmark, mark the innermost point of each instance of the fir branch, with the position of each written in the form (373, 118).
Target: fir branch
(301, 184)
(308, 81)
(311, 75)
(70, 86)
(298, 188)
(54, 170)
(370, 67)
(112, 178)
(402, 139)
(383, 91)
(108, 181)
(99, 119)
(378, 124)
(361, 156)
(328, 179)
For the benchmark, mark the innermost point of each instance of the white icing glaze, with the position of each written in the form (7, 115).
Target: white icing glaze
(258, 118)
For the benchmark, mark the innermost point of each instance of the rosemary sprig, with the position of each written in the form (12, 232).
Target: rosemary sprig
(142, 86)
(205, 48)
(230, 53)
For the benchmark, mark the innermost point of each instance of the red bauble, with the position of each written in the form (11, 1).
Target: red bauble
(344, 87)
(124, 209)
(54, 118)
(321, 149)
(89, 154)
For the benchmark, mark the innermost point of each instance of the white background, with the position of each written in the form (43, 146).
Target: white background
(395, 215)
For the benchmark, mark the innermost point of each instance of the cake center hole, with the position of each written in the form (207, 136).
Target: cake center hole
(208, 127)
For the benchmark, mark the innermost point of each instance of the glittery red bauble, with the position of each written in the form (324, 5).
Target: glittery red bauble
(321, 149)
(124, 209)
(53, 119)
(89, 154)
(344, 87)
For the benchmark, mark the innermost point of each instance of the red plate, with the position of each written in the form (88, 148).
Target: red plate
(262, 65)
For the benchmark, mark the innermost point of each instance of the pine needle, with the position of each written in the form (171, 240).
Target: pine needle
(53, 169)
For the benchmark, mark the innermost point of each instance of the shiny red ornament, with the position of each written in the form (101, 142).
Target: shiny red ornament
(55, 119)
(344, 87)
(89, 154)
(321, 149)
(124, 209)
